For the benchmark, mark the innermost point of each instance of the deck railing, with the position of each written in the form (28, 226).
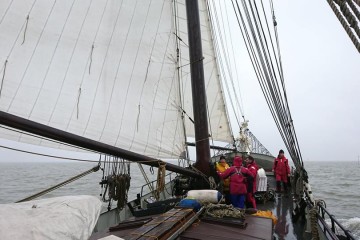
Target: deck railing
(167, 176)
(335, 224)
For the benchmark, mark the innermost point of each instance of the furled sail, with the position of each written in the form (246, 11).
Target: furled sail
(107, 70)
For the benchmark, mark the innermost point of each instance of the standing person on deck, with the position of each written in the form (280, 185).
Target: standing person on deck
(238, 175)
(221, 166)
(253, 168)
(281, 170)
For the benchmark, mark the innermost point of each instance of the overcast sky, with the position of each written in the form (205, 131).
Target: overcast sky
(322, 74)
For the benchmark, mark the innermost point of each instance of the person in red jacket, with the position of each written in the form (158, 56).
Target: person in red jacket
(253, 168)
(238, 175)
(281, 170)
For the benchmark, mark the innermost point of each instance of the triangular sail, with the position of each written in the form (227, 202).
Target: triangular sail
(218, 119)
(106, 70)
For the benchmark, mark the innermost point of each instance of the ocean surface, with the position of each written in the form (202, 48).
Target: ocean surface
(338, 183)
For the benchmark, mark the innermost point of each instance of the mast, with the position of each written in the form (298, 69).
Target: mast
(198, 88)
(39, 129)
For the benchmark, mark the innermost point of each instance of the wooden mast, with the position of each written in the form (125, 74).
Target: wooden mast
(198, 88)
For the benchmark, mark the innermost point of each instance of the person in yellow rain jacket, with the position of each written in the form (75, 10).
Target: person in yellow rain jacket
(221, 166)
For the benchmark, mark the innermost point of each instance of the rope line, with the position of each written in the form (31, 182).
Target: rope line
(345, 25)
(228, 63)
(222, 70)
(39, 194)
(179, 75)
(224, 65)
(354, 9)
(268, 69)
(3, 76)
(26, 25)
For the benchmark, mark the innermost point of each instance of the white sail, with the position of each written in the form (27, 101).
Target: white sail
(105, 70)
(219, 127)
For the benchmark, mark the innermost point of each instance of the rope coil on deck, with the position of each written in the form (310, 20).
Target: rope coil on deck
(223, 210)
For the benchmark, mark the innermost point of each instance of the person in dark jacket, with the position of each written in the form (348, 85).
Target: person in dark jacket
(253, 168)
(238, 175)
(281, 171)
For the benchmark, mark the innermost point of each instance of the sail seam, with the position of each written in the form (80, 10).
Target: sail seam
(102, 68)
(69, 63)
(116, 76)
(147, 69)
(6, 11)
(51, 60)
(32, 55)
(132, 71)
(156, 91)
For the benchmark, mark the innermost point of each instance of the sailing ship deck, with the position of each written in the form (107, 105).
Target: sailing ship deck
(256, 227)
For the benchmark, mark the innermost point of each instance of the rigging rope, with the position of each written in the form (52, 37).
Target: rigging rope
(210, 180)
(354, 9)
(116, 181)
(345, 24)
(219, 47)
(39, 194)
(269, 74)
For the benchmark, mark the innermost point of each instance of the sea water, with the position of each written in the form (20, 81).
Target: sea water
(338, 183)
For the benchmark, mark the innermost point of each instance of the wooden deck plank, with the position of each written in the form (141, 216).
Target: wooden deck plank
(167, 228)
(160, 224)
(257, 228)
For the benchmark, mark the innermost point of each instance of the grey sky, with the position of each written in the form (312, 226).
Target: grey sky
(322, 75)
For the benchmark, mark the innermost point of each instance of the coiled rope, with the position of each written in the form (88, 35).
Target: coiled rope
(223, 210)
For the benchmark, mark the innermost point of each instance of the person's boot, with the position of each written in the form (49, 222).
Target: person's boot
(285, 187)
(278, 186)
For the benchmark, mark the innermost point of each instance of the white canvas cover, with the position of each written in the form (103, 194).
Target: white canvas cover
(69, 217)
(261, 181)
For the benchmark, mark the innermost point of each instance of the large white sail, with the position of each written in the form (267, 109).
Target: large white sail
(104, 69)
(219, 128)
